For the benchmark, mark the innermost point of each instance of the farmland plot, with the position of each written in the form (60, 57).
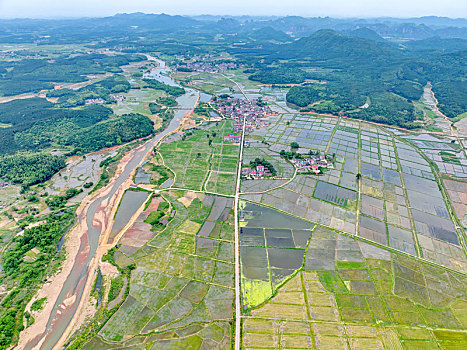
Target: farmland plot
(343, 298)
(181, 287)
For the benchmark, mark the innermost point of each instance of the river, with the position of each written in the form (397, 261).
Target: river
(72, 290)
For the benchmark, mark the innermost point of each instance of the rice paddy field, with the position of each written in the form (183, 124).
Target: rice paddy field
(199, 165)
(367, 255)
(397, 200)
(348, 294)
(445, 152)
(180, 292)
(345, 261)
(272, 247)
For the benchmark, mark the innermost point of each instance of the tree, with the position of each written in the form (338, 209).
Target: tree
(294, 145)
(358, 176)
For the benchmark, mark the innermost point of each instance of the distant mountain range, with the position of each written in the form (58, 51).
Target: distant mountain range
(296, 26)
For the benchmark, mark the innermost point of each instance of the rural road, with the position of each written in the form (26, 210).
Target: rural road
(238, 308)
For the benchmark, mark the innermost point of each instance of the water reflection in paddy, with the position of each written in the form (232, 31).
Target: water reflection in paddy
(272, 247)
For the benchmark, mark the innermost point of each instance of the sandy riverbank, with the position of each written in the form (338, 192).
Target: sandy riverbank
(53, 287)
(77, 320)
(77, 249)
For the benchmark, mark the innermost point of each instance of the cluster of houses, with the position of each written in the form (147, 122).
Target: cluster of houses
(93, 101)
(236, 139)
(13, 54)
(259, 172)
(233, 138)
(208, 67)
(4, 184)
(313, 163)
(205, 63)
(116, 97)
(237, 109)
(188, 56)
(113, 97)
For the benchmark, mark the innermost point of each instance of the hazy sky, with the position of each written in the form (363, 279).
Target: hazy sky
(337, 8)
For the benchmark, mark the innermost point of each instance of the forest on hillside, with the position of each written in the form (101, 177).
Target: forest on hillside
(357, 70)
(339, 66)
(38, 125)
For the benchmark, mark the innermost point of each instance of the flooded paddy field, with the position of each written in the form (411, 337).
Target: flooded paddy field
(297, 198)
(154, 172)
(445, 152)
(373, 229)
(382, 188)
(307, 131)
(334, 194)
(461, 126)
(272, 247)
(352, 295)
(284, 169)
(255, 186)
(277, 93)
(79, 171)
(142, 177)
(308, 280)
(257, 149)
(141, 231)
(458, 195)
(182, 284)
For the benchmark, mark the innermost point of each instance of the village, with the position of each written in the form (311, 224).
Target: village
(235, 108)
(14, 54)
(203, 64)
(313, 163)
(207, 67)
(258, 169)
(255, 113)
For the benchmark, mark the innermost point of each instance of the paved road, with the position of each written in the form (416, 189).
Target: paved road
(238, 308)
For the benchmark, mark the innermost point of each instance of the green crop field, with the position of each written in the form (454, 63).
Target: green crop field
(181, 286)
(203, 161)
(369, 252)
(361, 297)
